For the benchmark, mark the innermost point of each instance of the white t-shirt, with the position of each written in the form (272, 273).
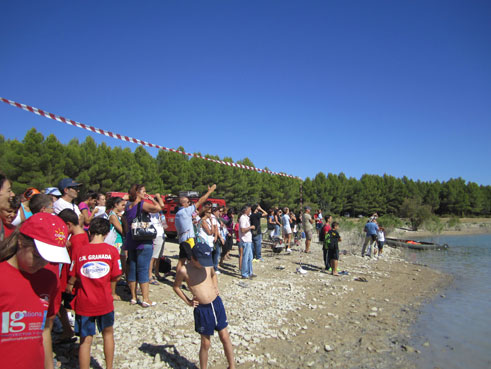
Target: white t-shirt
(157, 223)
(380, 236)
(207, 238)
(62, 204)
(245, 222)
(285, 221)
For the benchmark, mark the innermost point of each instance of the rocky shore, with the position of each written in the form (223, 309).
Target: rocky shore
(283, 318)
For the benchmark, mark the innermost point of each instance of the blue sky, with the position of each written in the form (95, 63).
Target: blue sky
(396, 87)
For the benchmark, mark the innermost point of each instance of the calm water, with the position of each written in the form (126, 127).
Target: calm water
(458, 327)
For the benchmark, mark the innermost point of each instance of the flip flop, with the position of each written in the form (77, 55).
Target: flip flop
(147, 305)
(133, 302)
(154, 282)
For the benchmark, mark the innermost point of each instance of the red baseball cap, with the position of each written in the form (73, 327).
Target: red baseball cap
(50, 235)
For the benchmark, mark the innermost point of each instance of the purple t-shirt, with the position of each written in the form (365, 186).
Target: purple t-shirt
(130, 214)
(229, 224)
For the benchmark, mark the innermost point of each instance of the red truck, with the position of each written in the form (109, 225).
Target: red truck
(171, 205)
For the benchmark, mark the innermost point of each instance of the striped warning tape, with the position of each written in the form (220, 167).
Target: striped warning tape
(134, 140)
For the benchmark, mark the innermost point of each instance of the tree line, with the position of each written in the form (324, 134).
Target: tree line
(41, 162)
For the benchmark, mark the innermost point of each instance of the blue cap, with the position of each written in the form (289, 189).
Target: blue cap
(202, 253)
(67, 182)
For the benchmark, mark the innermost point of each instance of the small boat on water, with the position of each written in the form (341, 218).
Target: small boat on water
(416, 245)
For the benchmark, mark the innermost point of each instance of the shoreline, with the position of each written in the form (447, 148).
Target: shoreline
(284, 318)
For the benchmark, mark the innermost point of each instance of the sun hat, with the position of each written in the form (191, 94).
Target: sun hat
(202, 253)
(52, 191)
(50, 235)
(67, 182)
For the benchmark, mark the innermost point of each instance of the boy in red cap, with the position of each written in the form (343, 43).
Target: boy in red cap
(209, 312)
(27, 300)
(94, 266)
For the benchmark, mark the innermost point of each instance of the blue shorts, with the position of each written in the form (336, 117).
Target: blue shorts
(85, 325)
(210, 317)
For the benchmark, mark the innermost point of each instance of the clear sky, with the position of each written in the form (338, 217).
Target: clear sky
(397, 87)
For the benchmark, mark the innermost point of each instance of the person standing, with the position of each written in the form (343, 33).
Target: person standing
(257, 237)
(245, 236)
(322, 236)
(287, 230)
(88, 209)
(69, 189)
(307, 222)
(158, 242)
(184, 222)
(228, 219)
(94, 266)
(25, 342)
(331, 243)
(139, 252)
(370, 229)
(318, 220)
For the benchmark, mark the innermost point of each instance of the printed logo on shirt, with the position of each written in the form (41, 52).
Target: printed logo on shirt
(28, 322)
(95, 269)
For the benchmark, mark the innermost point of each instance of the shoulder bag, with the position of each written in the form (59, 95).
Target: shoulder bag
(142, 228)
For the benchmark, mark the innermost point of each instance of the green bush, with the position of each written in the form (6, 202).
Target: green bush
(434, 225)
(347, 224)
(415, 212)
(389, 222)
(454, 222)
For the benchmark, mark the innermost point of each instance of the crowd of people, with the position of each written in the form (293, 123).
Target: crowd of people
(73, 255)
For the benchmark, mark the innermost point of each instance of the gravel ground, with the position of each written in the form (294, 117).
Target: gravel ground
(283, 318)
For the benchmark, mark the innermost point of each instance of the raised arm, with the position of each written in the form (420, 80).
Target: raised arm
(156, 205)
(203, 198)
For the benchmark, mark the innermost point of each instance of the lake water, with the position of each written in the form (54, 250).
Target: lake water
(457, 326)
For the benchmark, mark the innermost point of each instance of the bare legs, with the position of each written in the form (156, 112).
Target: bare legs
(86, 343)
(227, 348)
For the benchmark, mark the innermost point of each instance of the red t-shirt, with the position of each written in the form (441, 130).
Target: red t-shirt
(76, 241)
(55, 269)
(326, 228)
(25, 302)
(8, 230)
(94, 265)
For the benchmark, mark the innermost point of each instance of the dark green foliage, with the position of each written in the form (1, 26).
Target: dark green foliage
(42, 162)
(415, 211)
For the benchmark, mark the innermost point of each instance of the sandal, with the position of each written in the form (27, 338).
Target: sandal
(146, 304)
(153, 282)
(133, 302)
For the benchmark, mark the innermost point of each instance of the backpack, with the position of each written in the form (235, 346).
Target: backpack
(165, 265)
(322, 234)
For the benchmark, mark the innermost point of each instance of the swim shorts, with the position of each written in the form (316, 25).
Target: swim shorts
(333, 253)
(209, 318)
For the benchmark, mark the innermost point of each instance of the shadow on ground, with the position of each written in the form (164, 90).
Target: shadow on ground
(168, 354)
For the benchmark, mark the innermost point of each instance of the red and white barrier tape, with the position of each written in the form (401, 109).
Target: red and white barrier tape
(131, 139)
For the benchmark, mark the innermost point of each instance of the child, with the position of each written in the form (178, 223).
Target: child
(332, 239)
(380, 240)
(209, 313)
(94, 266)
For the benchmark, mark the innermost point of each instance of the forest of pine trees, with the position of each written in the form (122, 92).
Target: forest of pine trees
(41, 162)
